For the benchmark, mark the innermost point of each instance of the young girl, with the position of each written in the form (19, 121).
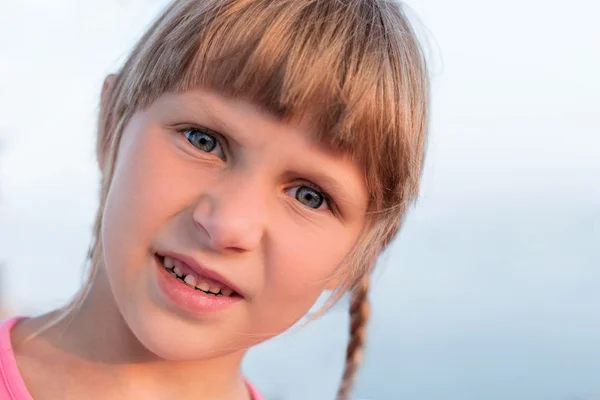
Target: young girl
(254, 153)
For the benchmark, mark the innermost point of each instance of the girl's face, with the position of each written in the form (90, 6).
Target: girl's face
(252, 208)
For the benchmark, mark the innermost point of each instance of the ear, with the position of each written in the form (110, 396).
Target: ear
(109, 83)
(106, 122)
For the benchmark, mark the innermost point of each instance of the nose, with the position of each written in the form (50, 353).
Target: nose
(232, 213)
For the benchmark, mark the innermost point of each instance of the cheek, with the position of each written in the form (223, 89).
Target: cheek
(298, 269)
(140, 200)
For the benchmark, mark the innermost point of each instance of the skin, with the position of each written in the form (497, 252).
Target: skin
(236, 209)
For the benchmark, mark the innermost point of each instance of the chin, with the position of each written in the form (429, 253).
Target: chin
(171, 337)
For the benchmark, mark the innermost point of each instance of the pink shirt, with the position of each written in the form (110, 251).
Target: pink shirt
(12, 386)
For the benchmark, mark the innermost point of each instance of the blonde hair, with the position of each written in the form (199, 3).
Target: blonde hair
(354, 66)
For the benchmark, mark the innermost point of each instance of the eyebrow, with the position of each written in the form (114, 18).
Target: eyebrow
(209, 112)
(212, 114)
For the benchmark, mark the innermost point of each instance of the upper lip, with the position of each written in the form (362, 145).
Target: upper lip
(202, 270)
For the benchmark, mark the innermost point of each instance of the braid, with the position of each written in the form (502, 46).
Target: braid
(359, 316)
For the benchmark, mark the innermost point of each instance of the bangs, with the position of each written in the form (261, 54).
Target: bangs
(312, 60)
(335, 64)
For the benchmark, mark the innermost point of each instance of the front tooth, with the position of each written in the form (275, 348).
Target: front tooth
(214, 289)
(173, 274)
(190, 280)
(177, 271)
(203, 286)
(168, 263)
(226, 292)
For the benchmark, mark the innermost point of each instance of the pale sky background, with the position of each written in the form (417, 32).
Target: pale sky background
(491, 292)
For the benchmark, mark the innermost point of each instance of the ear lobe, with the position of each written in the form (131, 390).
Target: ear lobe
(106, 122)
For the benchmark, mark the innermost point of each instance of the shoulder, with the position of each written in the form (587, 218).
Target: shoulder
(26, 365)
(11, 382)
(6, 327)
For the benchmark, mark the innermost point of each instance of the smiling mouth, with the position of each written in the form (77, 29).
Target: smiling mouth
(194, 281)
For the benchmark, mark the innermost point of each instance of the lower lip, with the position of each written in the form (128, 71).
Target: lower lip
(191, 300)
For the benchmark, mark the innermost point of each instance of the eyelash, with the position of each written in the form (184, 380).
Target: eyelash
(221, 140)
(203, 129)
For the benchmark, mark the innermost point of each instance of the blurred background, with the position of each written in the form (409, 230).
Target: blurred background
(492, 290)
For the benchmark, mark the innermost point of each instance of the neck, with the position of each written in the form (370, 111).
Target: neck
(96, 336)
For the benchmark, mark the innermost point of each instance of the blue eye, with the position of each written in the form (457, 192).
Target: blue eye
(201, 140)
(310, 197)
(204, 141)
